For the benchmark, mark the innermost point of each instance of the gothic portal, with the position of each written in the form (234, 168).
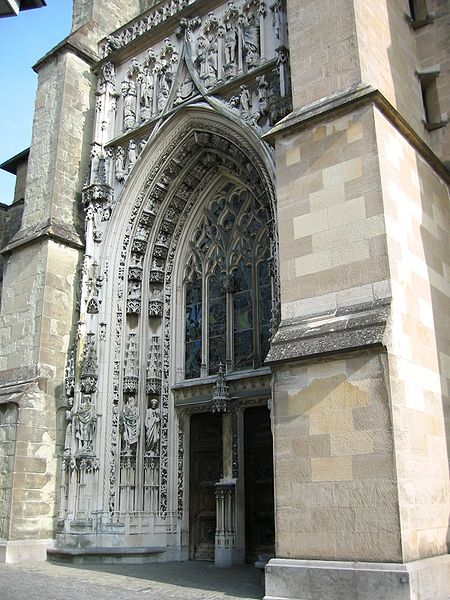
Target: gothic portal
(184, 272)
(225, 295)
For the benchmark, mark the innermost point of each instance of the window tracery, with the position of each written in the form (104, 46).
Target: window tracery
(228, 291)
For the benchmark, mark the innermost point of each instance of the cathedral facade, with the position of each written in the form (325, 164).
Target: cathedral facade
(224, 320)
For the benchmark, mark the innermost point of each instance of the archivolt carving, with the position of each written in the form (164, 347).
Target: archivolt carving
(195, 155)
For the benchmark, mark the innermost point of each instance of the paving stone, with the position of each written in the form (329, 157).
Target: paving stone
(193, 580)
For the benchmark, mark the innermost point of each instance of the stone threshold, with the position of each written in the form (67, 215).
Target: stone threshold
(104, 554)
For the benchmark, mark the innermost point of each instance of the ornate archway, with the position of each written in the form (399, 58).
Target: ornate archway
(198, 204)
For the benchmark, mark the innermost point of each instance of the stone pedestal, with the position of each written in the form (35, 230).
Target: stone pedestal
(427, 579)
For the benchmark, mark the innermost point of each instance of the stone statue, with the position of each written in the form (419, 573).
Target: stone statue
(147, 91)
(120, 164)
(251, 44)
(129, 104)
(85, 421)
(152, 426)
(129, 421)
(245, 98)
(132, 154)
(230, 43)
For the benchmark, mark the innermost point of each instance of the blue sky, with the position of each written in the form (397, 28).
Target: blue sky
(23, 41)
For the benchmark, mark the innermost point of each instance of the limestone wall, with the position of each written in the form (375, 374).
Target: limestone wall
(60, 144)
(330, 214)
(23, 282)
(36, 323)
(417, 224)
(336, 495)
(8, 422)
(432, 52)
(387, 50)
(323, 50)
(93, 12)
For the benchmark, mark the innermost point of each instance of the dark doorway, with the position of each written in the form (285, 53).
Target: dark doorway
(259, 502)
(205, 472)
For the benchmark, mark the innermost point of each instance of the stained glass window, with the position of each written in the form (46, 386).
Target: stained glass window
(229, 258)
(193, 329)
(217, 323)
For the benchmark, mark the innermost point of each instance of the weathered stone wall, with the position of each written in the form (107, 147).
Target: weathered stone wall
(101, 21)
(60, 143)
(432, 52)
(417, 213)
(21, 178)
(335, 488)
(323, 48)
(10, 223)
(388, 58)
(330, 214)
(8, 423)
(36, 321)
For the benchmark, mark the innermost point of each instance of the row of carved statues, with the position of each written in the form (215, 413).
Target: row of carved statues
(130, 426)
(82, 422)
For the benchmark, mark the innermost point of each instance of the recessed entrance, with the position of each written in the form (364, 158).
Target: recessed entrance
(259, 502)
(205, 472)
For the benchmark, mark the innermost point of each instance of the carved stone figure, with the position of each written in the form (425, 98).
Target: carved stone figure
(120, 164)
(245, 98)
(132, 154)
(185, 90)
(129, 422)
(152, 427)
(251, 44)
(134, 292)
(85, 421)
(129, 104)
(147, 92)
(230, 43)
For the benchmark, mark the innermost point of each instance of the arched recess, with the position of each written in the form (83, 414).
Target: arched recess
(144, 254)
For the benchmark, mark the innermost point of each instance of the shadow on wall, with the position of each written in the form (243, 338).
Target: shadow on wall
(436, 254)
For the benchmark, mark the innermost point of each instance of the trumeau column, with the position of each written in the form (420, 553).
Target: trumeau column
(352, 430)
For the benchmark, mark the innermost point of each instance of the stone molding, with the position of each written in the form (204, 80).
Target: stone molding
(50, 229)
(342, 330)
(69, 44)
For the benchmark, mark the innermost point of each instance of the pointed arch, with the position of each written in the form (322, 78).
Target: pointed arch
(189, 159)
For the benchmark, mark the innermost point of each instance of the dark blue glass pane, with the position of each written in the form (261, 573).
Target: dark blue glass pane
(217, 353)
(193, 359)
(193, 330)
(242, 277)
(237, 201)
(243, 349)
(193, 294)
(217, 317)
(215, 288)
(193, 322)
(263, 273)
(265, 307)
(243, 311)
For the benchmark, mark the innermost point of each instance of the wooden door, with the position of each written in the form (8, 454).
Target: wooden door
(205, 472)
(259, 493)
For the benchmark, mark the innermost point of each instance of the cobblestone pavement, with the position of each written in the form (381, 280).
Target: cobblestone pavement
(191, 580)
